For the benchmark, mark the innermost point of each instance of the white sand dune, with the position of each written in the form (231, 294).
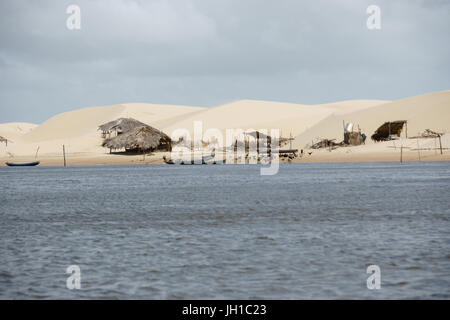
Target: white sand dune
(75, 124)
(77, 130)
(428, 111)
(347, 106)
(288, 117)
(14, 130)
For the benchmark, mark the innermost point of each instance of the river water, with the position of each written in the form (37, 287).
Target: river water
(226, 232)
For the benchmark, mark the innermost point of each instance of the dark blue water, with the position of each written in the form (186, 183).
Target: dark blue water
(191, 232)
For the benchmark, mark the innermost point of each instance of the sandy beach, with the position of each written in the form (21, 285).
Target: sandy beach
(306, 124)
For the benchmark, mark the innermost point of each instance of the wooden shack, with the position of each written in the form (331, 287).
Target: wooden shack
(390, 130)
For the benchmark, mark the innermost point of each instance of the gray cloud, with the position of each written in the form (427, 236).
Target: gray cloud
(202, 52)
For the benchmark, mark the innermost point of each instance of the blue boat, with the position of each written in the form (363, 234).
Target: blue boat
(26, 164)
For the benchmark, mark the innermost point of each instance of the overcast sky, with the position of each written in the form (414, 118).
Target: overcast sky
(210, 52)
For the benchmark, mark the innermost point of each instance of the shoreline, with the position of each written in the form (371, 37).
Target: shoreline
(317, 157)
(412, 149)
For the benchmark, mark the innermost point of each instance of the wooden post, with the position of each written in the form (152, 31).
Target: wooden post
(435, 147)
(290, 140)
(440, 143)
(406, 129)
(401, 154)
(418, 149)
(64, 154)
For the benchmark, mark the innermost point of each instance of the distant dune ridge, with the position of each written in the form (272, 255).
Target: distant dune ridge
(77, 130)
(13, 130)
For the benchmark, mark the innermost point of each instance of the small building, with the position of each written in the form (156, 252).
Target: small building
(353, 138)
(259, 141)
(390, 130)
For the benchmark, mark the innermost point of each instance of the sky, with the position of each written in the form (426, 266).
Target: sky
(211, 52)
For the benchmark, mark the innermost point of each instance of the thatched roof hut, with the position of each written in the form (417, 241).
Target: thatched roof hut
(389, 129)
(140, 138)
(119, 126)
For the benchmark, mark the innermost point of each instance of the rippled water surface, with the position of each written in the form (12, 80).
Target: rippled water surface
(190, 232)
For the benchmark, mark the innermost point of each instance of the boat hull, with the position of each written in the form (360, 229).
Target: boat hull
(26, 164)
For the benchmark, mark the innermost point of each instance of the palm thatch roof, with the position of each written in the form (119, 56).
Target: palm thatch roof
(120, 125)
(139, 138)
(387, 129)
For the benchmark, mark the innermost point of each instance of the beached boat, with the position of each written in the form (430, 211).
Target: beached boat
(192, 162)
(25, 164)
(205, 160)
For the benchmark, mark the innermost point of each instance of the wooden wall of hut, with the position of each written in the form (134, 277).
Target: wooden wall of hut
(353, 138)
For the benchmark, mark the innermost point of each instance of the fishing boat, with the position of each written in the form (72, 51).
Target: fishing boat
(204, 160)
(24, 164)
(192, 162)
